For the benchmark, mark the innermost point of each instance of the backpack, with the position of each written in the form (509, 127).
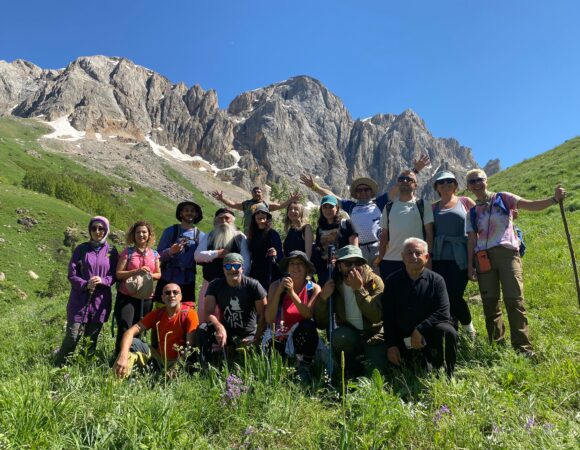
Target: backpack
(131, 250)
(182, 317)
(420, 206)
(503, 208)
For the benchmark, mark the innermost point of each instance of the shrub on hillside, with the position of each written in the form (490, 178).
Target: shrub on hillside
(86, 194)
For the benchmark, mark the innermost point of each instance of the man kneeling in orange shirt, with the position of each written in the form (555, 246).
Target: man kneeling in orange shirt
(172, 336)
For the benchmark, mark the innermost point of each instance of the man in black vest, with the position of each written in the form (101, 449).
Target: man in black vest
(223, 239)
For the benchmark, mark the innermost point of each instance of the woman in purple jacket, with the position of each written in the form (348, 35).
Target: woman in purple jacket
(91, 273)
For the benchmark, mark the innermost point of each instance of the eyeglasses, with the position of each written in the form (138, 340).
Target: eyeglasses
(475, 180)
(356, 263)
(404, 179)
(235, 266)
(175, 292)
(445, 181)
(97, 228)
(363, 189)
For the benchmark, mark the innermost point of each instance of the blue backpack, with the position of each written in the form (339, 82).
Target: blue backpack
(499, 202)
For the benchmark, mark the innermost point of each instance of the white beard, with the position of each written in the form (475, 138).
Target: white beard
(223, 236)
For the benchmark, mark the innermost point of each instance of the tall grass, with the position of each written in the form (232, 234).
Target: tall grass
(497, 398)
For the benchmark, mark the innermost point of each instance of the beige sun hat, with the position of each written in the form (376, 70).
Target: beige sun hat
(140, 286)
(363, 180)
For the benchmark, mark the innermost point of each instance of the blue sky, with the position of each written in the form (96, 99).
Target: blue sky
(501, 76)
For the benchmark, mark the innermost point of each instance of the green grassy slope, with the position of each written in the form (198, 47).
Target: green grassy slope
(20, 152)
(497, 398)
(38, 249)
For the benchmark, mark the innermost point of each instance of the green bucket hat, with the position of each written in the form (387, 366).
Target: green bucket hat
(350, 252)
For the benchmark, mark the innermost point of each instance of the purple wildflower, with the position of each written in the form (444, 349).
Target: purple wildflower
(234, 389)
(530, 423)
(444, 409)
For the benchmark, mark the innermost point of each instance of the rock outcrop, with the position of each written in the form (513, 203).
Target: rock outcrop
(264, 136)
(492, 167)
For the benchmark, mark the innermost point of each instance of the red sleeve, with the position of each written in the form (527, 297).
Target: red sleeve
(191, 321)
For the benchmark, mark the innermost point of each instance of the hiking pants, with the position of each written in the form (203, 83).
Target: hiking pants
(456, 282)
(440, 349)
(127, 313)
(358, 353)
(74, 331)
(506, 270)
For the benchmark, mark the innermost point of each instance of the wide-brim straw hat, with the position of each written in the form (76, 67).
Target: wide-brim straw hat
(363, 180)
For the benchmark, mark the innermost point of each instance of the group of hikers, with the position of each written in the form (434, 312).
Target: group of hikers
(382, 279)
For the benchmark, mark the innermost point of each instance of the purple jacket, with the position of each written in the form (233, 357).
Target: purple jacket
(86, 263)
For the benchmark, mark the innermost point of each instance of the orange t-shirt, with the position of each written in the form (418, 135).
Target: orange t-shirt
(158, 318)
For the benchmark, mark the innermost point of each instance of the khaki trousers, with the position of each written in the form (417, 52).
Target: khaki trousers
(506, 270)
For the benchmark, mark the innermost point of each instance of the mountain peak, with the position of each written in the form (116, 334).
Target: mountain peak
(265, 135)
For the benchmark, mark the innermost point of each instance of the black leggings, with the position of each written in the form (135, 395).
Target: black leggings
(128, 311)
(455, 281)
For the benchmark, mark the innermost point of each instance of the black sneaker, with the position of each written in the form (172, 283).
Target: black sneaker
(304, 373)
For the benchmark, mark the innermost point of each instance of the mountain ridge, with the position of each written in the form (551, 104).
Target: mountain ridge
(264, 136)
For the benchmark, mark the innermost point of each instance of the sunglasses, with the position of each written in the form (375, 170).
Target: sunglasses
(97, 228)
(356, 263)
(475, 180)
(445, 181)
(404, 179)
(175, 292)
(235, 266)
(363, 189)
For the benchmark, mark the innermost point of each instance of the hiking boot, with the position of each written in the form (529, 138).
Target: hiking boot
(304, 373)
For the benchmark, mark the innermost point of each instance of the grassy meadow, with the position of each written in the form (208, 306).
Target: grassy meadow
(497, 399)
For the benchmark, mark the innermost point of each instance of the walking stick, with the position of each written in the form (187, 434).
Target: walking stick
(330, 367)
(574, 267)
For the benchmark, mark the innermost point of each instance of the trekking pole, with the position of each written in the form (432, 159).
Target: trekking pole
(568, 237)
(271, 261)
(330, 368)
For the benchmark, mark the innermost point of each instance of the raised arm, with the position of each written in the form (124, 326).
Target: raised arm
(308, 181)
(219, 195)
(294, 198)
(538, 205)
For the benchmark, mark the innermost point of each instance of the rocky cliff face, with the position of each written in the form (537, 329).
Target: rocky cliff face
(264, 136)
(492, 167)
